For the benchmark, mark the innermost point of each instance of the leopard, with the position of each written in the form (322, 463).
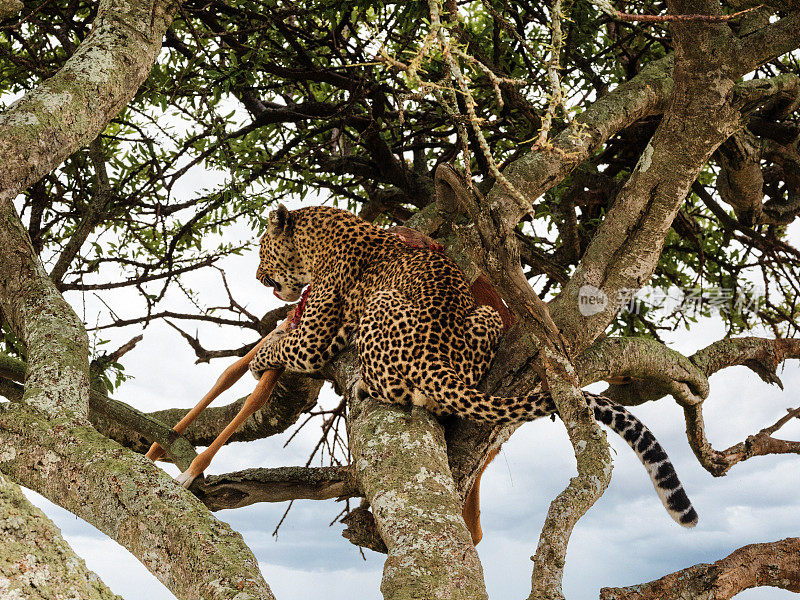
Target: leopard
(420, 336)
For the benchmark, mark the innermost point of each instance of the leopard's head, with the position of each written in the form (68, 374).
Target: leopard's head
(281, 266)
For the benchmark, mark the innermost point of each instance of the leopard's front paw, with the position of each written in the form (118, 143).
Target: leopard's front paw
(259, 363)
(257, 367)
(275, 335)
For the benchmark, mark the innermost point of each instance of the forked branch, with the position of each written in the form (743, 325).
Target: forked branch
(660, 371)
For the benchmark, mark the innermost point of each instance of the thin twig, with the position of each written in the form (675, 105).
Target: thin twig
(610, 10)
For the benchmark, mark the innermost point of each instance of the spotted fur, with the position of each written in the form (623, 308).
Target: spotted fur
(421, 338)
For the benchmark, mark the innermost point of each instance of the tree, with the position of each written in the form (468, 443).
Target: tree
(597, 152)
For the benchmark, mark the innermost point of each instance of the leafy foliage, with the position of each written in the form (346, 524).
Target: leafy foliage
(252, 102)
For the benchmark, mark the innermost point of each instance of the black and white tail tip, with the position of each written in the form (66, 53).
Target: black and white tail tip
(651, 454)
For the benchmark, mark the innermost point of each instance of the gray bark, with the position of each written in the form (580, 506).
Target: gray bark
(57, 379)
(400, 463)
(38, 564)
(129, 499)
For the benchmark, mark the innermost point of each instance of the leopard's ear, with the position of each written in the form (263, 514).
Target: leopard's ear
(281, 220)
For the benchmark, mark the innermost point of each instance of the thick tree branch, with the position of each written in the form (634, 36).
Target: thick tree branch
(57, 378)
(625, 250)
(669, 372)
(37, 562)
(651, 362)
(64, 112)
(772, 564)
(132, 501)
(102, 409)
(534, 173)
(769, 42)
(762, 356)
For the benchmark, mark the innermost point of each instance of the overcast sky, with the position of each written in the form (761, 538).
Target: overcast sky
(626, 538)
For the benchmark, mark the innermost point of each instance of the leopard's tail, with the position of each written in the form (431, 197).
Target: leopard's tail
(454, 397)
(650, 452)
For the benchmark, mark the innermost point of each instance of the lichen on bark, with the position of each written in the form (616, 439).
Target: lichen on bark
(37, 563)
(179, 541)
(69, 109)
(400, 463)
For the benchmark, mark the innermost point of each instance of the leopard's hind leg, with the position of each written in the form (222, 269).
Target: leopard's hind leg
(471, 359)
(385, 341)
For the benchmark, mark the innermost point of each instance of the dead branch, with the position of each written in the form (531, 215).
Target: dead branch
(242, 488)
(122, 350)
(763, 357)
(362, 531)
(717, 462)
(631, 18)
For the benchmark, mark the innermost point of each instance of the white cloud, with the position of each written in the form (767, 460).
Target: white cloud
(345, 584)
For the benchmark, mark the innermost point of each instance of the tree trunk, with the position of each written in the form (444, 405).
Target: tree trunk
(400, 460)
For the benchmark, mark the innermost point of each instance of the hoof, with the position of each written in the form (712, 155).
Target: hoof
(185, 479)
